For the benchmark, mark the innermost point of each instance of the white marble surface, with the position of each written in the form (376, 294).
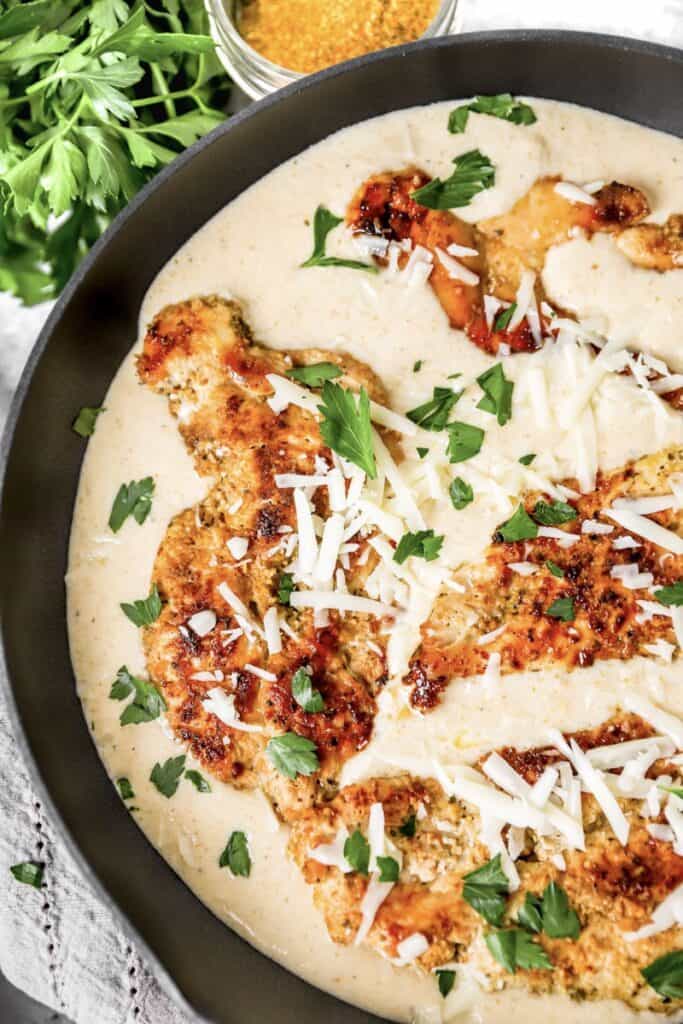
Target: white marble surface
(61, 945)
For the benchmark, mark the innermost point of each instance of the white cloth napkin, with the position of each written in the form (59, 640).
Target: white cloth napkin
(60, 944)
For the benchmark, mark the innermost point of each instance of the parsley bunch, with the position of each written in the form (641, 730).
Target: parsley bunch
(94, 98)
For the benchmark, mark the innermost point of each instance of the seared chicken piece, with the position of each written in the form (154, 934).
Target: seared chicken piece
(654, 246)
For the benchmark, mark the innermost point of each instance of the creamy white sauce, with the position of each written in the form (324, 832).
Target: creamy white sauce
(251, 251)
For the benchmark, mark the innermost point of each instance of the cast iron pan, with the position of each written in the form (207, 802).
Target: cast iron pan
(216, 973)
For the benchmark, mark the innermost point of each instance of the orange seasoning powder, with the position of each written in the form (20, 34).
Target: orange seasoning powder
(308, 35)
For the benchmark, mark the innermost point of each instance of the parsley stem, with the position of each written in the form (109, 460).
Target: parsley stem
(149, 101)
(160, 81)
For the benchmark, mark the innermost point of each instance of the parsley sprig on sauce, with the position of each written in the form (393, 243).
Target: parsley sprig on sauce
(166, 777)
(144, 611)
(325, 221)
(497, 393)
(433, 414)
(345, 426)
(147, 703)
(133, 499)
(236, 855)
(422, 544)
(503, 106)
(473, 173)
(84, 424)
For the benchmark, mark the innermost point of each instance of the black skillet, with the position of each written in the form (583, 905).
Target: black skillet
(202, 962)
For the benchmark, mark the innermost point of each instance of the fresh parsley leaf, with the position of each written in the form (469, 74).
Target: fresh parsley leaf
(346, 427)
(529, 915)
(303, 693)
(147, 703)
(135, 38)
(145, 611)
(446, 981)
(315, 375)
(519, 526)
(503, 106)
(285, 587)
(486, 890)
(166, 777)
(497, 393)
(84, 424)
(125, 788)
(514, 947)
(676, 790)
(133, 499)
(357, 852)
(28, 873)
(417, 365)
(473, 173)
(554, 513)
(560, 920)
(502, 321)
(198, 781)
(460, 492)
(236, 855)
(325, 221)
(671, 595)
(433, 415)
(408, 827)
(388, 869)
(526, 460)
(555, 569)
(464, 441)
(665, 975)
(422, 544)
(562, 608)
(292, 755)
(422, 452)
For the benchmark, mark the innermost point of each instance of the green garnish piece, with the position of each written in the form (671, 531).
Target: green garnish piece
(486, 890)
(236, 855)
(292, 755)
(503, 319)
(555, 569)
(473, 173)
(28, 873)
(325, 221)
(145, 611)
(166, 777)
(197, 780)
(560, 920)
(514, 947)
(526, 460)
(357, 852)
(315, 375)
(422, 452)
(285, 587)
(520, 526)
(671, 595)
(665, 975)
(497, 393)
(388, 869)
(133, 499)
(417, 365)
(84, 424)
(346, 427)
(303, 693)
(460, 493)
(553, 513)
(446, 981)
(676, 790)
(408, 827)
(422, 544)
(529, 915)
(433, 415)
(464, 441)
(147, 703)
(503, 106)
(125, 788)
(562, 608)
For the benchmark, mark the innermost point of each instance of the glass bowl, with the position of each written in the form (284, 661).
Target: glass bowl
(257, 75)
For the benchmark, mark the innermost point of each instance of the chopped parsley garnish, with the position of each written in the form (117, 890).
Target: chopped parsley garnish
(125, 788)
(473, 173)
(303, 693)
(503, 319)
(514, 947)
(236, 855)
(504, 106)
(407, 828)
(464, 441)
(84, 424)
(388, 869)
(147, 703)
(562, 608)
(292, 755)
(676, 790)
(422, 452)
(672, 595)
(145, 611)
(433, 415)
(665, 975)
(529, 915)
(357, 852)
(166, 777)
(198, 781)
(526, 460)
(133, 499)
(497, 393)
(560, 920)
(325, 221)
(28, 873)
(285, 587)
(315, 375)
(446, 981)
(486, 890)
(417, 365)
(520, 526)
(553, 513)
(346, 427)
(422, 544)
(555, 569)
(460, 492)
